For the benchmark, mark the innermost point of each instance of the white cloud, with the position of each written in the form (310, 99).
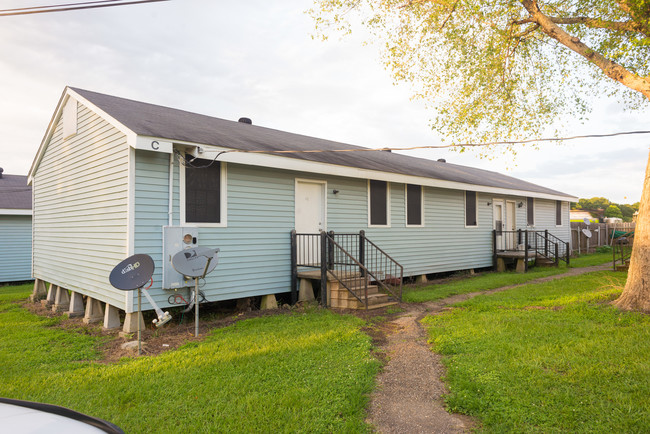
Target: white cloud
(257, 59)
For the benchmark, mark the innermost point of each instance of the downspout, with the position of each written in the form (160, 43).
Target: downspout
(170, 212)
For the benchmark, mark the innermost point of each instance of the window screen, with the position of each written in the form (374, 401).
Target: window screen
(413, 204)
(470, 208)
(558, 213)
(530, 211)
(203, 192)
(378, 203)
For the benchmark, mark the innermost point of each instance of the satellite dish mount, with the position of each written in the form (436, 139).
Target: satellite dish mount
(133, 273)
(197, 263)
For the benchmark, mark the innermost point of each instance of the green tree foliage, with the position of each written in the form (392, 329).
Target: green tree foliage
(613, 211)
(511, 68)
(594, 203)
(627, 212)
(505, 68)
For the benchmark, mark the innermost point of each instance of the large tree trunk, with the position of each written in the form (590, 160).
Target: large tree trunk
(636, 295)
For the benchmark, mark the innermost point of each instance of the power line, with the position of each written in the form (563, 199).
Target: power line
(455, 145)
(61, 5)
(71, 7)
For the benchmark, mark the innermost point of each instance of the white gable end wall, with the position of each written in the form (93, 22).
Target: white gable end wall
(80, 191)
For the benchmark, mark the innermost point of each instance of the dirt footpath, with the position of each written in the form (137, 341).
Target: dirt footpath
(408, 396)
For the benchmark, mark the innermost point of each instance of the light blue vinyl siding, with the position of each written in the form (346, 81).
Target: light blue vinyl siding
(15, 248)
(255, 256)
(442, 244)
(545, 219)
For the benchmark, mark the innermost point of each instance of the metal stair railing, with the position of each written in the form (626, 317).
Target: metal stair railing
(543, 243)
(551, 247)
(352, 259)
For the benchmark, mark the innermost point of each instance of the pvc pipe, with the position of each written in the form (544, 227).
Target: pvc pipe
(170, 212)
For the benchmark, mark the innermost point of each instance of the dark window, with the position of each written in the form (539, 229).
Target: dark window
(530, 211)
(470, 208)
(558, 212)
(203, 192)
(378, 203)
(413, 204)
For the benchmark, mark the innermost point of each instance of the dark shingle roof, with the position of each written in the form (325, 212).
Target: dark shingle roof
(15, 193)
(172, 124)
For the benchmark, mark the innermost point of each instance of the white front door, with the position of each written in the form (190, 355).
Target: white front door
(310, 207)
(511, 225)
(310, 219)
(499, 224)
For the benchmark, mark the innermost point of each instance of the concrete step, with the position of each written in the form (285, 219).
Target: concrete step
(382, 305)
(544, 262)
(373, 299)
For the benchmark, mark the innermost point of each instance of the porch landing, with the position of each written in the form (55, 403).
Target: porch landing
(518, 255)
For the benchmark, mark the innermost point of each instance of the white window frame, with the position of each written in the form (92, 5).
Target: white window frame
(406, 208)
(561, 204)
(388, 213)
(223, 201)
(465, 210)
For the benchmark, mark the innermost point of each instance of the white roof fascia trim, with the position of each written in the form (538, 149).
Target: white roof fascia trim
(13, 211)
(48, 135)
(278, 162)
(67, 92)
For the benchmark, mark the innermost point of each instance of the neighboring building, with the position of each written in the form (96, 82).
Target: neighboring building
(15, 228)
(109, 182)
(577, 215)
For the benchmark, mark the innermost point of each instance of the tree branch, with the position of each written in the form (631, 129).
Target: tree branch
(624, 26)
(525, 32)
(451, 12)
(611, 69)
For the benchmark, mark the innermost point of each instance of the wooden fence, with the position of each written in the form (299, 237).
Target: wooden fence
(601, 235)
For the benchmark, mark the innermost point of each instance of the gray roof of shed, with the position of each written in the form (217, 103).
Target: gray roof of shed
(172, 124)
(15, 193)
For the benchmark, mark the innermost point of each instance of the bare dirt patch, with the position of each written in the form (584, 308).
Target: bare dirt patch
(155, 340)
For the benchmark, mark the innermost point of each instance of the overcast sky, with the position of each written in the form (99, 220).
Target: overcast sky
(257, 59)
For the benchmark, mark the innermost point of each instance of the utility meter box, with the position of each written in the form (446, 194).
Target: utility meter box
(175, 239)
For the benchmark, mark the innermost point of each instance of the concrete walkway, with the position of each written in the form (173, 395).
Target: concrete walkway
(408, 396)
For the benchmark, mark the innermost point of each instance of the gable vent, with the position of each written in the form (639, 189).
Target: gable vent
(246, 121)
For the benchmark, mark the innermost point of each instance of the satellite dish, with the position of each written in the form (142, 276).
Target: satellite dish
(587, 221)
(193, 262)
(132, 273)
(587, 232)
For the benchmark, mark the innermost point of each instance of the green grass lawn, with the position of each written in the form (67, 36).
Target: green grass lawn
(491, 280)
(299, 372)
(550, 357)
